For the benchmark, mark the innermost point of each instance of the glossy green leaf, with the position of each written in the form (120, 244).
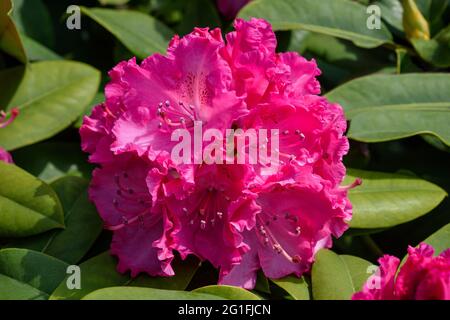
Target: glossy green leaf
(136, 293)
(50, 161)
(437, 50)
(410, 104)
(296, 287)
(50, 96)
(385, 200)
(28, 205)
(26, 274)
(32, 19)
(338, 18)
(440, 240)
(140, 33)
(100, 272)
(36, 51)
(83, 224)
(9, 37)
(228, 292)
(337, 277)
(391, 12)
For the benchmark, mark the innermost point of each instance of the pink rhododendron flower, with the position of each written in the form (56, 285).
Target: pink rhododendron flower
(230, 8)
(4, 121)
(422, 277)
(241, 217)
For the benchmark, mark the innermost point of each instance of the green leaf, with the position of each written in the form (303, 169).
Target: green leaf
(385, 200)
(25, 274)
(392, 13)
(28, 206)
(338, 18)
(113, 2)
(33, 20)
(340, 60)
(50, 161)
(9, 37)
(296, 287)
(228, 292)
(83, 224)
(199, 13)
(36, 51)
(337, 277)
(50, 96)
(142, 34)
(262, 283)
(440, 240)
(410, 104)
(100, 272)
(136, 293)
(437, 50)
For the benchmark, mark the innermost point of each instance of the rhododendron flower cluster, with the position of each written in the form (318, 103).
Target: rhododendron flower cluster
(4, 121)
(239, 217)
(421, 277)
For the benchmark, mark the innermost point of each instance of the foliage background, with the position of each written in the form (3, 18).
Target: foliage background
(395, 90)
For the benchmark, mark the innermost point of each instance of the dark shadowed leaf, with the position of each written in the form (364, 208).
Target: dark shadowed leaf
(83, 225)
(100, 272)
(26, 274)
(142, 34)
(28, 206)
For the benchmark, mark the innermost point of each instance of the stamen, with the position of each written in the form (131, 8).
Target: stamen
(3, 117)
(357, 182)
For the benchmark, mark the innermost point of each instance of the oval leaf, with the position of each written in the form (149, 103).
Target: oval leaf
(100, 272)
(136, 293)
(385, 200)
(26, 274)
(83, 224)
(50, 95)
(28, 206)
(440, 240)
(228, 292)
(338, 18)
(296, 287)
(388, 107)
(9, 37)
(337, 277)
(437, 50)
(50, 161)
(140, 33)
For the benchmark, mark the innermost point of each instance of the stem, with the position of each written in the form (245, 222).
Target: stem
(374, 248)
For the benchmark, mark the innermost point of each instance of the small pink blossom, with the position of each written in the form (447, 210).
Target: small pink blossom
(5, 121)
(422, 277)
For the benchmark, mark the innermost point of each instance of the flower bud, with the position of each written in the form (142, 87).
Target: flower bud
(414, 24)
